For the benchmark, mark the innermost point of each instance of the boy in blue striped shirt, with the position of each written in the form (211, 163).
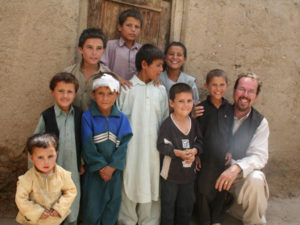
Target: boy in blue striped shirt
(105, 134)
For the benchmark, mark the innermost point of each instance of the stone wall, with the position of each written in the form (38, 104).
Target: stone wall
(261, 37)
(38, 39)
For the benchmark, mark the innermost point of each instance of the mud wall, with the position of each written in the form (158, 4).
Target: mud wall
(38, 39)
(261, 37)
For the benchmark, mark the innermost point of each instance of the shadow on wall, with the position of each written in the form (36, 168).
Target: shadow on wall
(11, 167)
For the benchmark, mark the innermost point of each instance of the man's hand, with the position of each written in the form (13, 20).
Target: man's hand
(226, 179)
(197, 110)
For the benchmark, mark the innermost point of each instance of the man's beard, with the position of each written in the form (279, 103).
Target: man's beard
(243, 109)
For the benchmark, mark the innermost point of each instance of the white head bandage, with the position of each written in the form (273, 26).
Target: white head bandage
(107, 80)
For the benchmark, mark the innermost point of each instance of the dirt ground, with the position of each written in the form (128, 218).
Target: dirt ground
(281, 211)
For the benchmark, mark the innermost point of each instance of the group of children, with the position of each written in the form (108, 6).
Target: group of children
(131, 161)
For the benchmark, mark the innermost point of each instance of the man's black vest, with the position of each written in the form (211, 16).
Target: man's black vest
(51, 127)
(243, 136)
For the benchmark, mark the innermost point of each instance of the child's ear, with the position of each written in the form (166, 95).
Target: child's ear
(80, 50)
(93, 94)
(30, 157)
(144, 64)
(119, 28)
(171, 103)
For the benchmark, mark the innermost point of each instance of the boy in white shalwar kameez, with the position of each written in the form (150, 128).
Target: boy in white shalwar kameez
(146, 107)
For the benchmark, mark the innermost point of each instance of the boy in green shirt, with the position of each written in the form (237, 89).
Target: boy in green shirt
(64, 119)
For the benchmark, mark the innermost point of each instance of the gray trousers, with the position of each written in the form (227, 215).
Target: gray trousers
(132, 213)
(250, 198)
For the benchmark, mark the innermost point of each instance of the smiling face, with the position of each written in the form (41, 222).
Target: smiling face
(245, 95)
(105, 99)
(44, 159)
(217, 87)
(130, 29)
(175, 57)
(92, 51)
(182, 104)
(64, 94)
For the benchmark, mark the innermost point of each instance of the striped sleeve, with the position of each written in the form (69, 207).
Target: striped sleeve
(93, 159)
(124, 136)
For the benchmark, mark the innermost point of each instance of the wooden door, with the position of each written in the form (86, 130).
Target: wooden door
(156, 15)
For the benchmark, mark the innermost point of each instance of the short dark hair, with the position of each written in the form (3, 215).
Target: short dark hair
(64, 77)
(130, 13)
(92, 33)
(149, 53)
(253, 76)
(179, 88)
(43, 140)
(216, 73)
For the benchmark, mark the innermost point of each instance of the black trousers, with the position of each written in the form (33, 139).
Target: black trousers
(211, 209)
(177, 201)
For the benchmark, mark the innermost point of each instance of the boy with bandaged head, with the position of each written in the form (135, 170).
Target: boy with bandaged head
(105, 134)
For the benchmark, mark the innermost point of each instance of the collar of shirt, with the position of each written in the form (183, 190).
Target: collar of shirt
(39, 174)
(123, 43)
(238, 122)
(183, 78)
(136, 81)
(78, 65)
(58, 111)
(209, 101)
(96, 112)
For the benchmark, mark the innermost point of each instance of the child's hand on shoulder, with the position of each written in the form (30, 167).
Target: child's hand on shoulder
(198, 110)
(45, 214)
(126, 84)
(228, 158)
(157, 82)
